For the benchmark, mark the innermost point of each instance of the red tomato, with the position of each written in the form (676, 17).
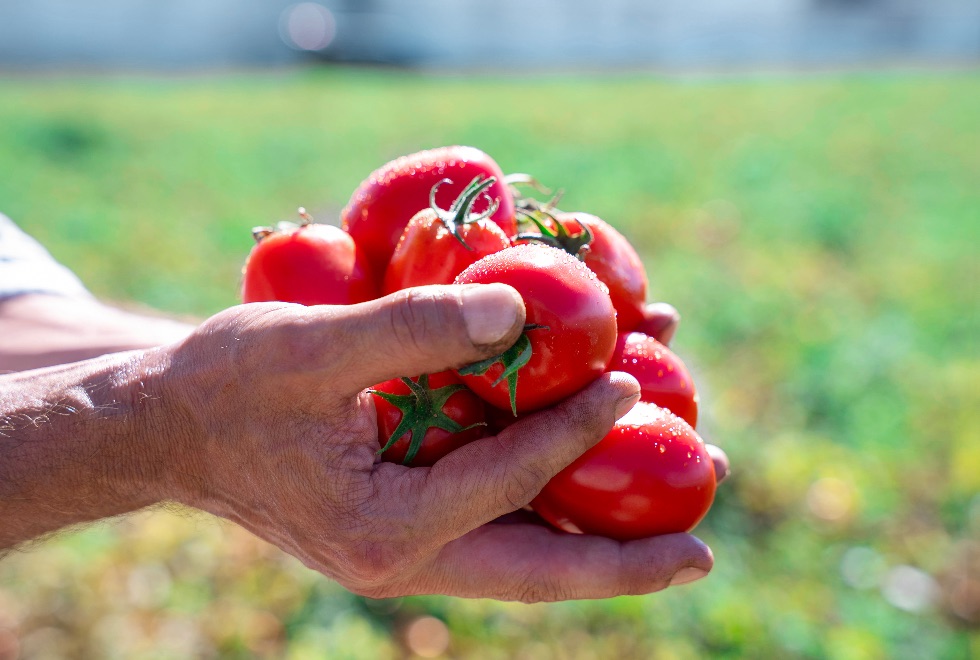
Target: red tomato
(617, 265)
(664, 380)
(607, 253)
(384, 203)
(437, 245)
(650, 475)
(422, 419)
(571, 335)
(310, 264)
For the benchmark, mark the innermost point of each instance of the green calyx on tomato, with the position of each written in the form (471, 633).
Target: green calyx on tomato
(524, 202)
(422, 409)
(576, 245)
(522, 179)
(460, 212)
(512, 360)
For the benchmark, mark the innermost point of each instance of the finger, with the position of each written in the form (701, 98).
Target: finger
(493, 476)
(425, 330)
(660, 321)
(532, 563)
(720, 459)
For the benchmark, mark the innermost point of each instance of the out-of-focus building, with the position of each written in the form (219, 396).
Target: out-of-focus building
(181, 34)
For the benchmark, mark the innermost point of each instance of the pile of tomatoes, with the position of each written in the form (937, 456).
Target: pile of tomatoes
(449, 215)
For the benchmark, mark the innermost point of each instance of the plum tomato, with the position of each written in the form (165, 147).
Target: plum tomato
(383, 204)
(309, 263)
(664, 380)
(422, 419)
(438, 244)
(570, 333)
(650, 475)
(604, 250)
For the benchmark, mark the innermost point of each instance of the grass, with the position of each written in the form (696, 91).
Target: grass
(819, 236)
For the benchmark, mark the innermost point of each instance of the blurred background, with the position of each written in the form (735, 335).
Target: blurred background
(801, 177)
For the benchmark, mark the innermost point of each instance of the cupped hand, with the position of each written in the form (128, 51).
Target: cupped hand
(272, 428)
(660, 321)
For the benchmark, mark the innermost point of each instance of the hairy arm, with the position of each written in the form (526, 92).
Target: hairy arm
(78, 443)
(260, 416)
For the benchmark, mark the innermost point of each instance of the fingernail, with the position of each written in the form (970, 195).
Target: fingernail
(490, 312)
(667, 334)
(685, 575)
(625, 405)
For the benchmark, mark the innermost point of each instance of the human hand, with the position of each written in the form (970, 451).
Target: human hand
(660, 321)
(271, 428)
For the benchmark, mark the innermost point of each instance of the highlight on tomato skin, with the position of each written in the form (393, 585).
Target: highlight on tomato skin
(438, 244)
(571, 327)
(614, 260)
(601, 247)
(650, 475)
(664, 379)
(382, 205)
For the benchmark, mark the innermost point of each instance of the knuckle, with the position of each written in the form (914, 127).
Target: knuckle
(370, 569)
(259, 334)
(523, 483)
(634, 576)
(421, 321)
(289, 345)
(376, 592)
(542, 591)
(377, 566)
(590, 420)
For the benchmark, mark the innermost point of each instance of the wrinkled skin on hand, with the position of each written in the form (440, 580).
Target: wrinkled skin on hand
(270, 427)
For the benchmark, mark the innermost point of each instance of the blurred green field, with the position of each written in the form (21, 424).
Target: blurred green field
(819, 235)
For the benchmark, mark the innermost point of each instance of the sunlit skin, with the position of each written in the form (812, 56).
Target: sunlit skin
(260, 416)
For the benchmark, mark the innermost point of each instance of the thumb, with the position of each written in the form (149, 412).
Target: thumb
(428, 329)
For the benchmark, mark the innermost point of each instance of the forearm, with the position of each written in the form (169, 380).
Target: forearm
(39, 330)
(80, 442)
